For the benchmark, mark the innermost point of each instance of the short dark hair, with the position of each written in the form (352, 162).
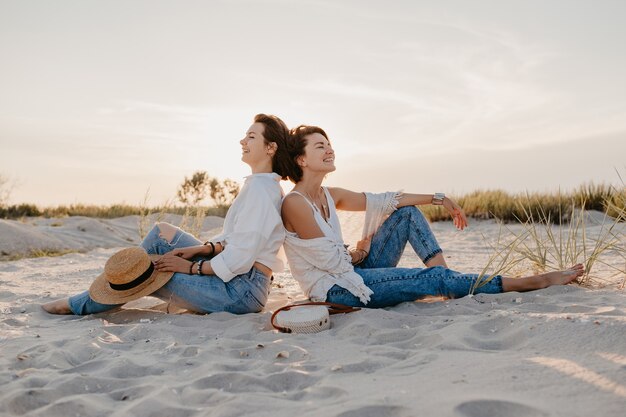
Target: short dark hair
(276, 131)
(296, 143)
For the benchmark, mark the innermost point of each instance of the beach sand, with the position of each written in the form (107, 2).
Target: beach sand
(554, 352)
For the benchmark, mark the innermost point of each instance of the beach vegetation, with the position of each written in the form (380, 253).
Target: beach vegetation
(194, 189)
(524, 207)
(482, 204)
(37, 253)
(223, 192)
(503, 260)
(200, 185)
(557, 231)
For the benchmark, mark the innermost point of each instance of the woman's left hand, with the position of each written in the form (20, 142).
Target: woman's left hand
(457, 213)
(364, 244)
(172, 263)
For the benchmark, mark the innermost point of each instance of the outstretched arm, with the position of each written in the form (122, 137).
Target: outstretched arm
(347, 200)
(457, 213)
(352, 201)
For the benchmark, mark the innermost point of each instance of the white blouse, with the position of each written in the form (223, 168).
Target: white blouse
(319, 264)
(253, 230)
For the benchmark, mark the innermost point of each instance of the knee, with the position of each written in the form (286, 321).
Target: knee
(409, 212)
(166, 231)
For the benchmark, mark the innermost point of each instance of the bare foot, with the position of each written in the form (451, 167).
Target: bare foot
(563, 277)
(548, 279)
(57, 307)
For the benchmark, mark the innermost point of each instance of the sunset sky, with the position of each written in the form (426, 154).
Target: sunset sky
(102, 100)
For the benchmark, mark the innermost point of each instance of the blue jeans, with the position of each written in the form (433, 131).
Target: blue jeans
(246, 293)
(392, 285)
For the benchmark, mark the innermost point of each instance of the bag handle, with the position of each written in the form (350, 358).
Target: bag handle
(332, 309)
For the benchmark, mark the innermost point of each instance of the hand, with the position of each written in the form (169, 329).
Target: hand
(364, 244)
(172, 263)
(457, 213)
(186, 253)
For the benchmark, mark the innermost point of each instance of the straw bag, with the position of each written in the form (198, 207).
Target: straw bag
(311, 317)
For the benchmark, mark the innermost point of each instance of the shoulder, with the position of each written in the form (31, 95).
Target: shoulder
(294, 202)
(258, 186)
(268, 181)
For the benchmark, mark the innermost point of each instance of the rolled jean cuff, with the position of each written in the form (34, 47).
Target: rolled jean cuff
(432, 255)
(82, 304)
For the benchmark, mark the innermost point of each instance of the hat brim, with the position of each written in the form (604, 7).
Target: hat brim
(101, 292)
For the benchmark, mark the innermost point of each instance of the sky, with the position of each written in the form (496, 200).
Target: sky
(106, 102)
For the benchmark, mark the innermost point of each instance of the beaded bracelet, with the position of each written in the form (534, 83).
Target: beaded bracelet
(191, 268)
(212, 246)
(200, 262)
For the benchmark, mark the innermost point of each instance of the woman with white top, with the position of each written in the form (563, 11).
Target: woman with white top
(233, 271)
(367, 276)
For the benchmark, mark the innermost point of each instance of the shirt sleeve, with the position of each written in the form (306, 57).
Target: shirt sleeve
(255, 221)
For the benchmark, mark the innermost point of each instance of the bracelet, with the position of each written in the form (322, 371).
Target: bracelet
(363, 253)
(438, 199)
(200, 262)
(207, 243)
(191, 268)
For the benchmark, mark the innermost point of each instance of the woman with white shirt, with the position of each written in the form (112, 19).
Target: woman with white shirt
(368, 276)
(233, 271)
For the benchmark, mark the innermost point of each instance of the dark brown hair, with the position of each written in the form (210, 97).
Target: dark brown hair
(276, 131)
(295, 146)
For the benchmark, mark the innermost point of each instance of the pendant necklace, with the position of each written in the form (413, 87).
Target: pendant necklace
(325, 211)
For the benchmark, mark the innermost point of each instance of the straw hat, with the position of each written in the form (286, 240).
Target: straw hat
(128, 275)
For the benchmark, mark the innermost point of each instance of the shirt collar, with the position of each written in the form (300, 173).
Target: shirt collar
(271, 175)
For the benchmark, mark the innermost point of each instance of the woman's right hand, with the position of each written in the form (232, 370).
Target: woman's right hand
(187, 253)
(457, 213)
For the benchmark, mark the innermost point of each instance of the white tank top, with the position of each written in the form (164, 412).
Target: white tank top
(331, 227)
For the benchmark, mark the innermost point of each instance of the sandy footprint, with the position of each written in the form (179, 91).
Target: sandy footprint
(496, 334)
(240, 383)
(497, 408)
(378, 411)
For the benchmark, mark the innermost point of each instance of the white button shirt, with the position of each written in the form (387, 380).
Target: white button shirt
(253, 229)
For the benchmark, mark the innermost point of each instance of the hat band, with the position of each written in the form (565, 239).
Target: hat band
(138, 281)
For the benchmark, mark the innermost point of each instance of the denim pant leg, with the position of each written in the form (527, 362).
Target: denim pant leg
(246, 293)
(153, 243)
(393, 286)
(82, 304)
(406, 224)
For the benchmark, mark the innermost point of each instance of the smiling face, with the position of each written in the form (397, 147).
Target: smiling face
(318, 154)
(254, 149)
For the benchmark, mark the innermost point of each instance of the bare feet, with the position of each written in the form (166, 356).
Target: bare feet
(548, 279)
(563, 277)
(57, 307)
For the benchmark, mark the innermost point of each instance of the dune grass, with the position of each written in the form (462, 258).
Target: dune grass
(554, 234)
(507, 207)
(482, 204)
(103, 212)
(37, 253)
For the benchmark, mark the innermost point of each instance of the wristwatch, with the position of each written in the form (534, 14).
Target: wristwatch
(438, 199)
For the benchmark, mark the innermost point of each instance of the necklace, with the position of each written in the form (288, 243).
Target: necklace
(325, 211)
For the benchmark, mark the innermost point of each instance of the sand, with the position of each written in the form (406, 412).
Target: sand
(554, 352)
